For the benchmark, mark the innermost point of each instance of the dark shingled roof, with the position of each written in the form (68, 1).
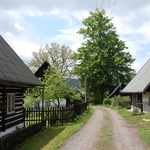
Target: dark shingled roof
(13, 71)
(117, 90)
(41, 71)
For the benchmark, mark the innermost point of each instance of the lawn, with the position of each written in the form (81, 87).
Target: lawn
(52, 138)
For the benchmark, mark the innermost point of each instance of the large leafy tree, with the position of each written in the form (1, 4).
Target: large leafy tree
(57, 55)
(102, 59)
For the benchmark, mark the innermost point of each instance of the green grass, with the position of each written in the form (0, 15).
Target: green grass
(52, 138)
(106, 117)
(145, 135)
(105, 136)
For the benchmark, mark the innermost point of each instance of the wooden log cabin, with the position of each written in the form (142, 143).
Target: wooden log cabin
(15, 77)
(139, 88)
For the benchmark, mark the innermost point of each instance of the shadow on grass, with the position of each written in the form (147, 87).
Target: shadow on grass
(40, 140)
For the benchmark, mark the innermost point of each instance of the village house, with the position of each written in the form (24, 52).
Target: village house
(139, 88)
(15, 77)
(116, 90)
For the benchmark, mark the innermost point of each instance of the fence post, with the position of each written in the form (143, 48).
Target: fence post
(23, 116)
(44, 121)
(42, 103)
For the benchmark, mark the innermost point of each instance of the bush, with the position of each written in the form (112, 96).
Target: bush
(107, 101)
(122, 101)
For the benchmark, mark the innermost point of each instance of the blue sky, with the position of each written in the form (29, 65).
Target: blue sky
(29, 25)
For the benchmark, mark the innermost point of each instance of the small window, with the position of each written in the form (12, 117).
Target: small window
(10, 103)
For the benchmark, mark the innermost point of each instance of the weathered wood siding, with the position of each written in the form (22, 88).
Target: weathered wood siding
(1, 112)
(10, 120)
(137, 101)
(146, 102)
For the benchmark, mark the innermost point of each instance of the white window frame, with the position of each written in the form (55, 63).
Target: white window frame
(10, 103)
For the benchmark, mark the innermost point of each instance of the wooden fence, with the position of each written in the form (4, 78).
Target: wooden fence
(16, 138)
(33, 123)
(53, 115)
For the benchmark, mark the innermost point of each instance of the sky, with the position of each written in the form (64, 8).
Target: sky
(28, 25)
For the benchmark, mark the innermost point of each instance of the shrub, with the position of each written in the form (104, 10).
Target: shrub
(107, 101)
(121, 101)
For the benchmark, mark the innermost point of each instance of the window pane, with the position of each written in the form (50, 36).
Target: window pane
(10, 102)
(13, 103)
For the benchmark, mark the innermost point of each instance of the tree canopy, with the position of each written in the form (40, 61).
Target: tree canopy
(57, 55)
(102, 59)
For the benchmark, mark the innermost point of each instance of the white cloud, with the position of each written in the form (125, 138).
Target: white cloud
(24, 48)
(131, 17)
(145, 31)
(19, 27)
(68, 36)
(139, 62)
(80, 15)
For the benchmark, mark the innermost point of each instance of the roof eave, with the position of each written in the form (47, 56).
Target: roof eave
(19, 85)
(132, 92)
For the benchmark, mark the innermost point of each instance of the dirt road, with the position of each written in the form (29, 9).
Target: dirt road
(123, 135)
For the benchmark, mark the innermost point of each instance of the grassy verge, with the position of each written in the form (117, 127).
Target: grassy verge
(52, 138)
(105, 136)
(141, 122)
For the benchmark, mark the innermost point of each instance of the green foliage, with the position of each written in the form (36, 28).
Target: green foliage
(55, 89)
(118, 101)
(32, 95)
(107, 101)
(57, 55)
(122, 101)
(102, 58)
(75, 96)
(55, 86)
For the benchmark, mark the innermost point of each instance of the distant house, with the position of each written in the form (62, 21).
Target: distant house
(139, 88)
(74, 82)
(116, 90)
(41, 70)
(15, 77)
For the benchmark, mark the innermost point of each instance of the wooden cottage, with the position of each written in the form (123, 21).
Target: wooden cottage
(41, 71)
(15, 77)
(116, 90)
(139, 88)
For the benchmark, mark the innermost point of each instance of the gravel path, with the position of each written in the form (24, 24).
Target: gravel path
(124, 136)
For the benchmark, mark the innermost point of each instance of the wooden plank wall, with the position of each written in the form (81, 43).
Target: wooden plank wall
(1, 112)
(15, 118)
